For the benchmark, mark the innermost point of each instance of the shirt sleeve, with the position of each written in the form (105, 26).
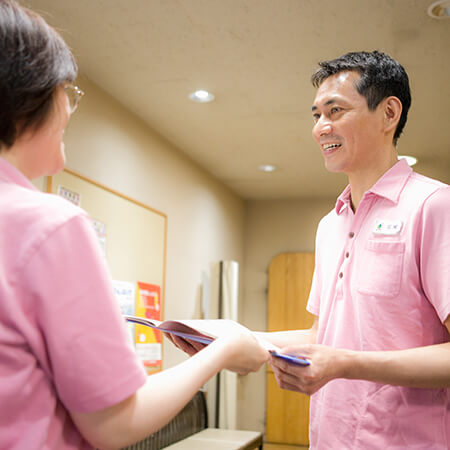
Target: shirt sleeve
(435, 251)
(92, 363)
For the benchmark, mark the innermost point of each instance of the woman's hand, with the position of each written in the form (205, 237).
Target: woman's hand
(241, 351)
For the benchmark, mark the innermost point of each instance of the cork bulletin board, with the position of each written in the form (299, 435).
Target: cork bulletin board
(132, 234)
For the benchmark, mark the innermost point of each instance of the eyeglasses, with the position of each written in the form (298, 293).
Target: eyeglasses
(74, 94)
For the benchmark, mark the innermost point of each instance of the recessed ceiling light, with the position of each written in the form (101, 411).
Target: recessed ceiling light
(267, 168)
(409, 159)
(201, 96)
(440, 9)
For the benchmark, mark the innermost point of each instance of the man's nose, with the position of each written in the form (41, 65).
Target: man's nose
(322, 127)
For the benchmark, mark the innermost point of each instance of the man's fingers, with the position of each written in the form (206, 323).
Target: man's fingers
(291, 383)
(287, 378)
(285, 366)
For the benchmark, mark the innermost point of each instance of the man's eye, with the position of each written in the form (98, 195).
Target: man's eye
(335, 109)
(316, 117)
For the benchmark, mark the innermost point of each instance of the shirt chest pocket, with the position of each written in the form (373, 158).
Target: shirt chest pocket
(381, 267)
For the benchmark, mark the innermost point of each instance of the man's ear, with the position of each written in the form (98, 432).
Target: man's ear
(392, 112)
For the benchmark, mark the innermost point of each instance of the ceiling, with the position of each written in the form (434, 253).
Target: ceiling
(256, 56)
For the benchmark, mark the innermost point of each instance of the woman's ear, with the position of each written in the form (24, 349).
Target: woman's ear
(392, 112)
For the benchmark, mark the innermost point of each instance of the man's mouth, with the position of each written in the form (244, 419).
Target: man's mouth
(330, 147)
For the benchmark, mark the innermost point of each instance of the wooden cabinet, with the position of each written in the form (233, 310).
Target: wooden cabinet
(290, 276)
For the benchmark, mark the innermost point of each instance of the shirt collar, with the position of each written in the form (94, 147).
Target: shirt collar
(389, 186)
(11, 174)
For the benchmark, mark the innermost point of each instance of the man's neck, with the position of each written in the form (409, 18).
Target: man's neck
(362, 180)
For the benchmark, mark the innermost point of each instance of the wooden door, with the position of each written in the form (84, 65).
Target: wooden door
(290, 276)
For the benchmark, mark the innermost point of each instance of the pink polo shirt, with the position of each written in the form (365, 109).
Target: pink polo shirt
(63, 342)
(382, 282)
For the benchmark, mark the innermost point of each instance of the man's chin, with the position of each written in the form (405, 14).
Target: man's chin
(333, 168)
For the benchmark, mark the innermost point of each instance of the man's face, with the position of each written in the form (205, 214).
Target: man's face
(349, 135)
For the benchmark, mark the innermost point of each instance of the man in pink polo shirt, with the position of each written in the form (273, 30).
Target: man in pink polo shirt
(380, 345)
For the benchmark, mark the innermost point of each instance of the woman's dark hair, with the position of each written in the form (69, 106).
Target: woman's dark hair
(34, 60)
(381, 77)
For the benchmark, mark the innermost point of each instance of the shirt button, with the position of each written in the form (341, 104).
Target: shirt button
(341, 275)
(347, 254)
(351, 234)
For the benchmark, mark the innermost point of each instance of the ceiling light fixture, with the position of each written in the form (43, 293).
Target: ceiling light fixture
(267, 168)
(201, 96)
(439, 10)
(409, 159)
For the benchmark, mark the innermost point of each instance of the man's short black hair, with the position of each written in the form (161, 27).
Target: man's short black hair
(381, 77)
(34, 61)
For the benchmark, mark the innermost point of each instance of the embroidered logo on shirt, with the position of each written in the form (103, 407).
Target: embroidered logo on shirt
(388, 227)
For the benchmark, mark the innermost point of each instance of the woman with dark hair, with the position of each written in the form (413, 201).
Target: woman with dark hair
(66, 383)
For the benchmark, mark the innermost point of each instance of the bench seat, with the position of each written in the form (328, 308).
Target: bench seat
(219, 439)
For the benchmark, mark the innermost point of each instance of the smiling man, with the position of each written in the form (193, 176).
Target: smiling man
(380, 344)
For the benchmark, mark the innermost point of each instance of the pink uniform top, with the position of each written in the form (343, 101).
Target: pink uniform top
(382, 282)
(63, 342)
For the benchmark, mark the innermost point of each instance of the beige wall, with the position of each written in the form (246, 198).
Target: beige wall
(271, 227)
(205, 219)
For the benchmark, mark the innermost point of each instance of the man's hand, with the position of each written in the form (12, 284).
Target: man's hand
(422, 367)
(325, 364)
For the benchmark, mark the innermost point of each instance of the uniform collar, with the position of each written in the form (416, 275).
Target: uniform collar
(389, 186)
(11, 174)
